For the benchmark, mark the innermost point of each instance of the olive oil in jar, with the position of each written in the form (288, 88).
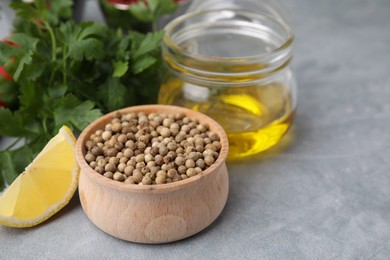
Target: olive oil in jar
(235, 70)
(255, 118)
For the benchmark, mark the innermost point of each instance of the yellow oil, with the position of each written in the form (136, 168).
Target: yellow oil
(254, 117)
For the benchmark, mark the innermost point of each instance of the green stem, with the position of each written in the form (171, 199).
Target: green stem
(64, 74)
(53, 41)
(44, 124)
(154, 25)
(13, 143)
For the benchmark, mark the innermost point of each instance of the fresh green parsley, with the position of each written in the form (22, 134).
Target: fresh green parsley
(68, 73)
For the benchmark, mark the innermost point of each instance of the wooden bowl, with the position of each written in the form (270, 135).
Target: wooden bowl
(153, 213)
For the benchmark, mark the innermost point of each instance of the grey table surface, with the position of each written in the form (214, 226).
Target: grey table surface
(322, 193)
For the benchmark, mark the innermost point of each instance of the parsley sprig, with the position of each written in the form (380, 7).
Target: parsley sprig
(66, 73)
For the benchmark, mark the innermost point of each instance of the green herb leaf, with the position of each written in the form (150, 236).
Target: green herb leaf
(8, 167)
(23, 54)
(25, 11)
(2, 184)
(13, 163)
(70, 111)
(21, 158)
(151, 42)
(11, 124)
(141, 12)
(67, 73)
(57, 91)
(82, 41)
(59, 9)
(120, 68)
(88, 48)
(159, 7)
(9, 92)
(142, 64)
(30, 99)
(113, 94)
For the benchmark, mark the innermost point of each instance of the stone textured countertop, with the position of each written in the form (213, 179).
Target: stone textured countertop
(322, 193)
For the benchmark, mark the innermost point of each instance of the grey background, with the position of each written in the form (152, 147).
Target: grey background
(323, 193)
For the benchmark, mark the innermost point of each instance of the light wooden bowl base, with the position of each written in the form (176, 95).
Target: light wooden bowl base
(156, 218)
(154, 213)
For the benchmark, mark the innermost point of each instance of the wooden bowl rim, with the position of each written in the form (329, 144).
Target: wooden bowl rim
(157, 188)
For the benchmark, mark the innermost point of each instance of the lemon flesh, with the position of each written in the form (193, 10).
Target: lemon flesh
(46, 185)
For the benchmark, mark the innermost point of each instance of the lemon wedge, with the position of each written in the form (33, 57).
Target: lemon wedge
(45, 186)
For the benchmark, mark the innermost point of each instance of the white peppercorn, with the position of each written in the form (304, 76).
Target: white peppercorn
(140, 165)
(154, 169)
(145, 170)
(130, 180)
(119, 146)
(110, 167)
(171, 173)
(198, 170)
(209, 160)
(93, 164)
(172, 146)
(118, 176)
(123, 159)
(165, 132)
(193, 156)
(200, 163)
(179, 160)
(109, 175)
(121, 167)
(99, 169)
(146, 180)
(210, 147)
(159, 159)
(140, 158)
(191, 172)
(167, 122)
(112, 152)
(113, 160)
(151, 164)
(117, 127)
(160, 179)
(137, 175)
(128, 152)
(122, 138)
(138, 147)
(89, 144)
(96, 150)
(101, 163)
(202, 128)
(199, 148)
(217, 145)
(213, 136)
(190, 163)
(185, 128)
(182, 169)
(208, 152)
(148, 158)
(129, 170)
(106, 135)
(163, 150)
(90, 157)
(164, 167)
(119, 155)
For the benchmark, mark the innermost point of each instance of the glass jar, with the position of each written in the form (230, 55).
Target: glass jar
(265, 7)
(233, 65)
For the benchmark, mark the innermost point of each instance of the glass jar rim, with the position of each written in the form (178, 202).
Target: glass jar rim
(171, 44)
